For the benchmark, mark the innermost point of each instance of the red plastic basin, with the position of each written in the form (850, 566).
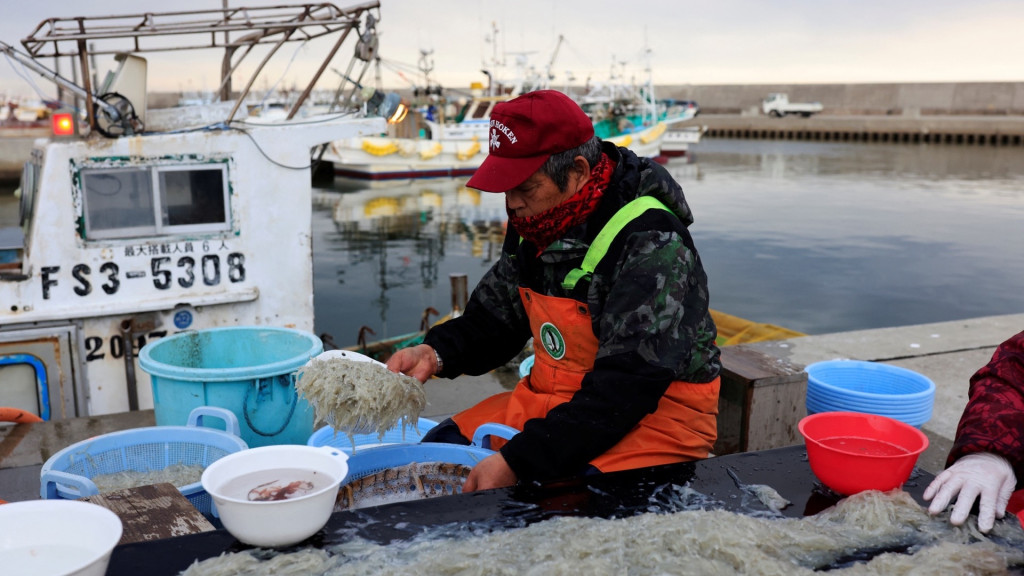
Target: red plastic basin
(851, 452)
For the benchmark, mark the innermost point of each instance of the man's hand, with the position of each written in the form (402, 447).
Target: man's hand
(983, 474)
(419, 361)
(491, 472)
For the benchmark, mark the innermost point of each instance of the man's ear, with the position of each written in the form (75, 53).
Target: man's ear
(580, 172)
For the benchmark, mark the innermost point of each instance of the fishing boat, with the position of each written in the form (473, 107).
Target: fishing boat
(445, 134)
(136, 224)
(630, 115)
(428, 143)
(427, 146)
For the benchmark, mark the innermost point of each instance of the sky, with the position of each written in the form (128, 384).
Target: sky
(688, 42)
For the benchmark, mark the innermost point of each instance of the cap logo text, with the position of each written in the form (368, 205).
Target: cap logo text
(496, 127)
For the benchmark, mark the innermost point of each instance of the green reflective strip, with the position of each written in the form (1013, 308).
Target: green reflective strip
(604, 239)
(572, 278)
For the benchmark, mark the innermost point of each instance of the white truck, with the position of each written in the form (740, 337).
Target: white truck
(778, 105)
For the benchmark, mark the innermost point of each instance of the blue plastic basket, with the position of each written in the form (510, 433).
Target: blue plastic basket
(373, 460)
(68, 474)
(401, 433)
(870, 387)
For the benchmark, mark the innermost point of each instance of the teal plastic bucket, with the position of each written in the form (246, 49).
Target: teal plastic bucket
(249, 370)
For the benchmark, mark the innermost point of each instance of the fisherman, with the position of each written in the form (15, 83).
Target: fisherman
(598, 267)
(988, 451)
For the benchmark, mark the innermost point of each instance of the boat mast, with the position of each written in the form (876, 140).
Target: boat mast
(202, 29)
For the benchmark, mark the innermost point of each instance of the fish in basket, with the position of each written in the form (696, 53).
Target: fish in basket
(142, 456)
(404, 472)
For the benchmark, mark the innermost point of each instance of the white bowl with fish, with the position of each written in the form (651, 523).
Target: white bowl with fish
(274, 496)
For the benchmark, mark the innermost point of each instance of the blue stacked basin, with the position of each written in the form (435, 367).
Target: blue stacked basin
(870, 387)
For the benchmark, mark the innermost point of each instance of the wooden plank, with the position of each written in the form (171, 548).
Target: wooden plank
(153, 512)
(775, 411)
(33, 444)
(760, 403)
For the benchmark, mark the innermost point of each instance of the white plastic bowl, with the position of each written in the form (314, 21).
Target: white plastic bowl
(57, 538)
(276, 523)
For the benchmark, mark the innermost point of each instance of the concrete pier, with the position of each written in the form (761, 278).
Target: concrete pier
(984, 113)
(947, 352)
(971, 130)
(1004, 99)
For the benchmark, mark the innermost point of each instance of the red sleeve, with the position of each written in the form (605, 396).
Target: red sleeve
(993, 420)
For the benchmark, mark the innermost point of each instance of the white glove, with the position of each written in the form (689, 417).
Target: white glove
(983, 474)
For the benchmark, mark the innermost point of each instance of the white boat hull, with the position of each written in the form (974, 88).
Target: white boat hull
(644, 142)
(677, 142)
(384, 158)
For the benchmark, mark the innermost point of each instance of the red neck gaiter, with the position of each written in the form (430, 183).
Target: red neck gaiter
(544, 228)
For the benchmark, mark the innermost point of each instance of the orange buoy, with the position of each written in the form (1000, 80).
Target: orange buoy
(17, 415)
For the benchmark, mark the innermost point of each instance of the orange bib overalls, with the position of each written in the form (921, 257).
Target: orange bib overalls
(682, 428)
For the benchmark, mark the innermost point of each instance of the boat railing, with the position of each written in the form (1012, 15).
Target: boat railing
(236, 30)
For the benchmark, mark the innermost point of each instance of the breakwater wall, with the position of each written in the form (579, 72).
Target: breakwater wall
(881, 99)
(978, 113)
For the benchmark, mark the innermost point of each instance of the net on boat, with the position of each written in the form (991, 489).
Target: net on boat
(869, 533)
(359, 397)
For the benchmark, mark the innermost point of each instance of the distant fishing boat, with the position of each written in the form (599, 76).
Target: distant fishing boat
(445, 133)
(677, 141)
(428, 143)
(630, 115)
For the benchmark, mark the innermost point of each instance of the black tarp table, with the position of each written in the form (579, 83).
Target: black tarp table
(603, 495)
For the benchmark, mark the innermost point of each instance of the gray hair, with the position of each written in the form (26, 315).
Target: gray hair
(557, 166)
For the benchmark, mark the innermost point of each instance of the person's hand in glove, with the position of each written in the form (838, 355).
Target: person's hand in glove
(983, 474)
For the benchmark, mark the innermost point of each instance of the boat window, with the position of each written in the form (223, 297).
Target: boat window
(193, 196)
(129, 202)
(118, 203)
(481, 112)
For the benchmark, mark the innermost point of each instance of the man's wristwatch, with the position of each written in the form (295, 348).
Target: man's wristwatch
(440, 363)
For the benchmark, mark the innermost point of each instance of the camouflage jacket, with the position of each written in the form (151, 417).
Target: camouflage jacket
(993, 420)
(648, 299)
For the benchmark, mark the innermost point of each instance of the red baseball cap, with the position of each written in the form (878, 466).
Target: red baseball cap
(525, 131)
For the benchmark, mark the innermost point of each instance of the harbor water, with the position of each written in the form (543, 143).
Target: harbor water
(817, 237)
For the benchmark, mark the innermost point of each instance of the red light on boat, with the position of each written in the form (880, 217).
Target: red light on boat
(64, 124)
